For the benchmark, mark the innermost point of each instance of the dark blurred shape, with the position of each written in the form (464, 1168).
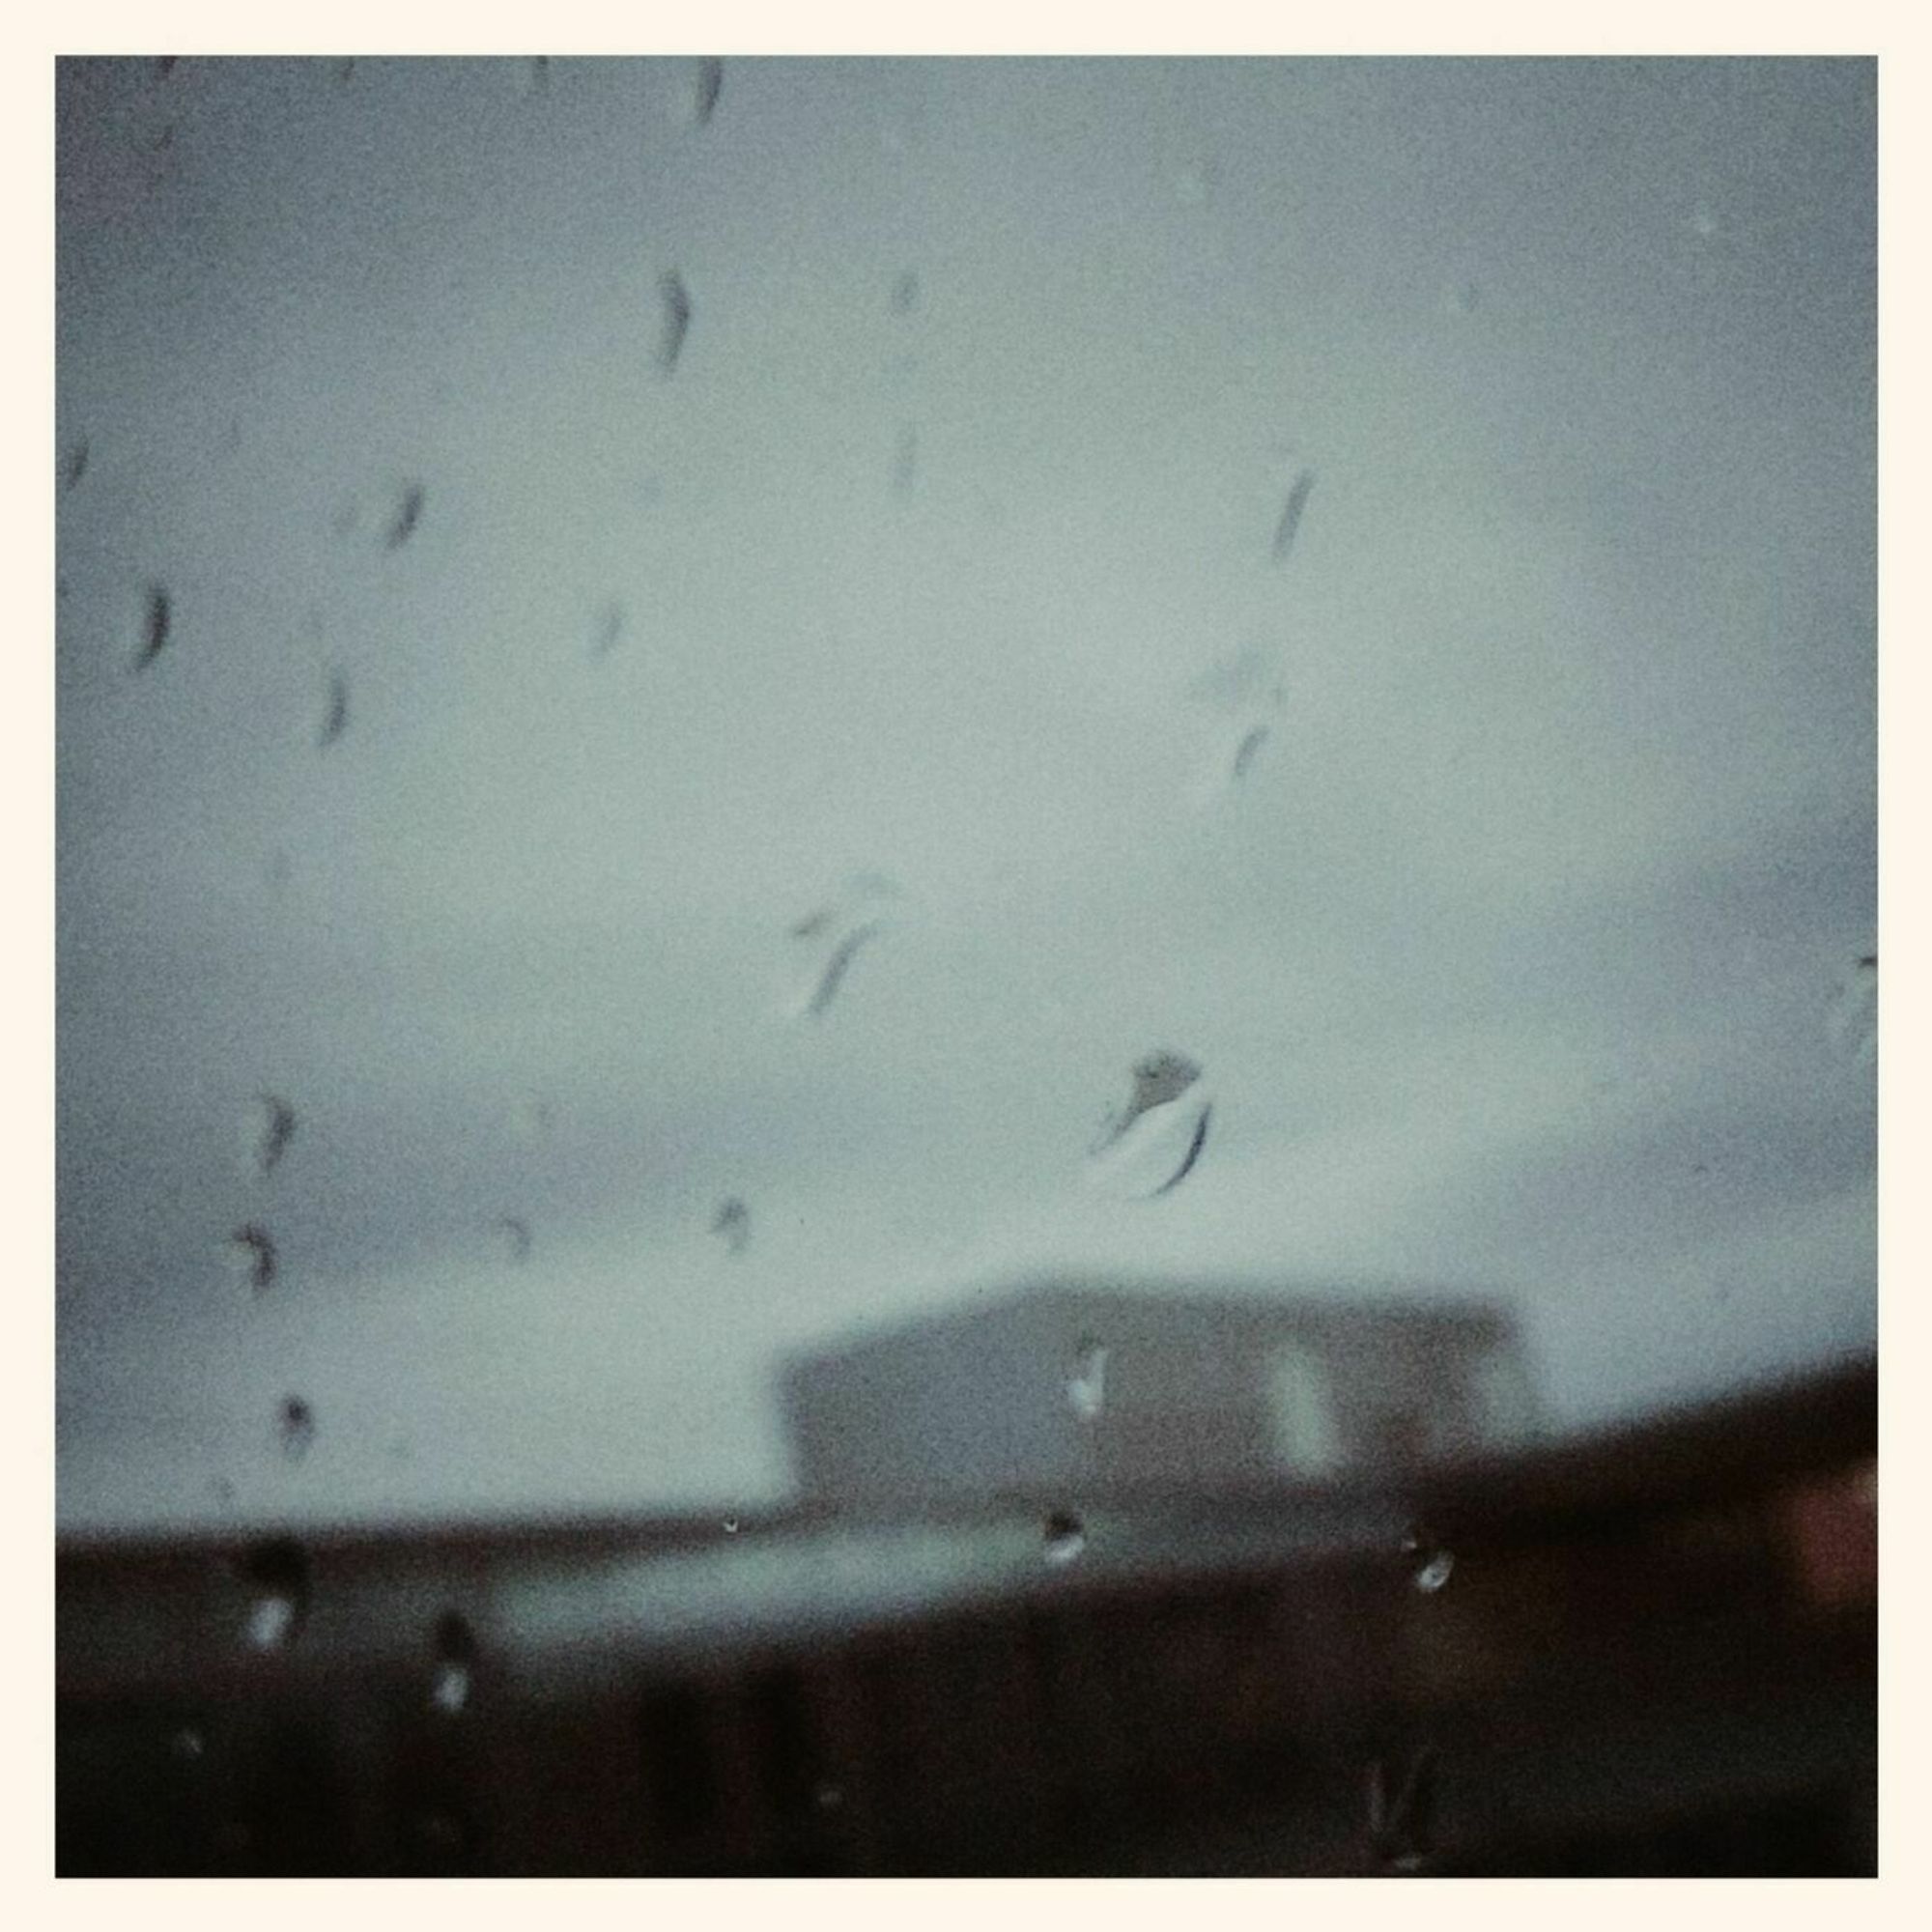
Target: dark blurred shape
(409, 514)
(676, 320)
(156, 623)
(710, 81)
(1655, 1657)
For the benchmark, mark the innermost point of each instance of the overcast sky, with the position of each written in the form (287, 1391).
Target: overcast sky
(531, 535)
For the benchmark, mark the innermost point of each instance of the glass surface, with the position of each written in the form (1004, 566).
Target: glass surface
(688, 692)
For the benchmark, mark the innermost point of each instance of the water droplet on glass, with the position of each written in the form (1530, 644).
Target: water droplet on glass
(75, 465)
(733, 1222)
(272, 1622)
(1252, 740)
(278, 1583)
(516, 1234)
(188, 1745)
(675, 323)
(1066, 1538)
(251, 1253)
(1851, 1020)
(730, 1525)
(1153, 1143)
(408, 514)
(1087, 1386)
(829, 1797)
(1402, 1808)
(156, 622)
(608, 630)
(455, 1665)
(270, 1126)
(1290, 521)
(335, 712)
(835, 933)
(1431, 1564)
(706, 84)
(905, 294)
(1434, 1572)
(296, 1428)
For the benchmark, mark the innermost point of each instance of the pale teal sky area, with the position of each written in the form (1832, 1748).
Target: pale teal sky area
(1503, 853)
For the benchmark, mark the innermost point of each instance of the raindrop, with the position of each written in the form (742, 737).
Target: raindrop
(730, 1525)
(455, 1665)
(905, 294)
(517, 1237)
(335, 718)
(1065, 1537)
(1851, 1020)
(296, 1428)
(1087, 1386)
(278, 1579)
(733, 1222)
(271, 1622)
(408, 513)
(612, 620)
(188, 1745)
(837, 968)
(1402, 1811)
(157, 621)
(676, 323)
(836, 931)
(75, 465)
(905, 461)
(251, 1251)
(829, 1797)
(1291, 514)
(1153, 1143)
(1244, 752)
(272, 1127)
(1432, 1564)
(708, 80)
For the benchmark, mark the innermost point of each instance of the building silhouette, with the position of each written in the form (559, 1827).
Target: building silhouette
(1084, 1384)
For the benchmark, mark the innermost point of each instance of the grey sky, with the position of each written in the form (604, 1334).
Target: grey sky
(1510, 956)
